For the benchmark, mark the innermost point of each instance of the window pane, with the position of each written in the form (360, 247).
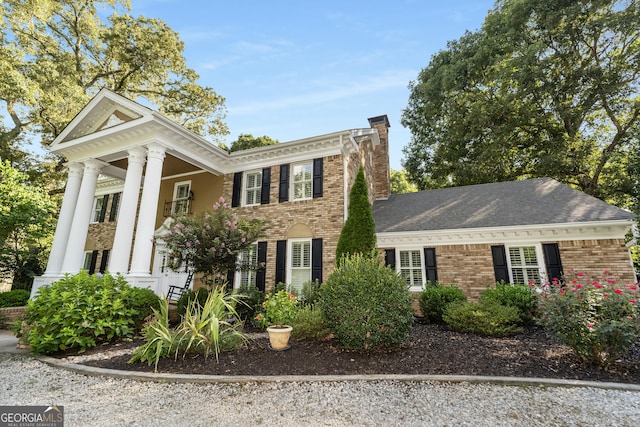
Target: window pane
(524, 265)
(182, 192)
(411, 267)
(302, 181)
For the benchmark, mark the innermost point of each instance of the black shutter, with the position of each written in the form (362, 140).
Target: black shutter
(430, 266)
(281, 261)
(316, 260)
(317, 178)
(261, 273)
(390, 258)
(103, 261)
(114, 207)
(500, 266)
(92, 265)
(266, 186)
(237, 189)
(284, 184)
(552, 261)
(231, 275)
(103, 210)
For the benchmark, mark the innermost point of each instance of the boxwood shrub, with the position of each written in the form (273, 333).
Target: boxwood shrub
(518, 296)
(366, 305)
(436, 298)
(483, 318)
(14, 298)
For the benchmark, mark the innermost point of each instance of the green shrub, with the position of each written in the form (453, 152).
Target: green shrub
(598, 319)
(144, 301)
(200, 295)
(78, 312)
(250, 300)
(519, 296)
(14, 298)
(309, 324)
(310, 292)
(366, 305)
(435, 299)
(483, 318)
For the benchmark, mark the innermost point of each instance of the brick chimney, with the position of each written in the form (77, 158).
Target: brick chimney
(381, 167)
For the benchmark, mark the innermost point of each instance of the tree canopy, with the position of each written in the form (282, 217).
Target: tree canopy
(546, 88)
(57, 54)
(246, 141)
(400, 183)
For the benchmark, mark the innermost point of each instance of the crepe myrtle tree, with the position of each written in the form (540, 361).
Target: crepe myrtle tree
(209, 242)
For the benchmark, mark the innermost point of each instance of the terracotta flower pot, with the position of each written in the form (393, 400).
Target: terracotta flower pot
(279, 336)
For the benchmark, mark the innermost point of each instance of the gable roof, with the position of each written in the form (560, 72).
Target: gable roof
(503, 204)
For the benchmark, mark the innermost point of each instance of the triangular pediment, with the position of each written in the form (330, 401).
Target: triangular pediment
(107, 110)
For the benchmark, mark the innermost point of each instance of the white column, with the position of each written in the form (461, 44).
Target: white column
(119, 256)
(65, 218)
(74, 255)
(143, 244)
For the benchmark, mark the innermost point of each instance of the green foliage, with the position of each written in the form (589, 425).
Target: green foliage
(200, 295)
(160, 339)
(14, 298)
(366, 305)
(205, 329)
(483, 318)
(26, 224)
(400, 183)
(210, 241)
(246, 141)
(310, 292)
(78, 312)
(58, 54)
(544, 89)
(519, 296)
(309, 324)
(143, 301)
(250, 300)
(279, 309)
(598, 318)
(434, 300)
(359, 231)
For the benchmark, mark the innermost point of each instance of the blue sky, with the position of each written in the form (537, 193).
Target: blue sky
(295, 69)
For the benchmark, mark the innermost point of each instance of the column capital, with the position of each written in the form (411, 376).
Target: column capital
(93, 166)
(74, 168)
(137, 155)
(156, 151)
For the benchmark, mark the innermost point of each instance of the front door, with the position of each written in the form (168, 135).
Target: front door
(166, 276)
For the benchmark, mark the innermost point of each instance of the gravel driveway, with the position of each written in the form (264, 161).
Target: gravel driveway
(105, 401)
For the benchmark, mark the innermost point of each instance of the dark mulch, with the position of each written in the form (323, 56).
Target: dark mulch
(431, 350)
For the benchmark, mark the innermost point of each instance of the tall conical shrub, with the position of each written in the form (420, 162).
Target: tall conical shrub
(359, 231)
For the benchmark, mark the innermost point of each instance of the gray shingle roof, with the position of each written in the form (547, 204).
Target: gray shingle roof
(528, 202)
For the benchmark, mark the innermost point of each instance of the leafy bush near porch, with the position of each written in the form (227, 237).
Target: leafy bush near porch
(14, 298)
(79, 311)
(205, 329)
(598, 318)
(519, 296)
(483, 318)
(200, 294)
(309, 324)
(366, 305)
(436, 298)
(250, 300)
(143, 301)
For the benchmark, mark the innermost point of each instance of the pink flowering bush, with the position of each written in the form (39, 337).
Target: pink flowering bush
(280, 309)
(209, 241)
(598, 318)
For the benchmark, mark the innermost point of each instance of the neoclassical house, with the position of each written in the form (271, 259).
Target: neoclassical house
(130, 168)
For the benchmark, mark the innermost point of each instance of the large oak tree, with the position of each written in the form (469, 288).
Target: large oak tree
(544, 88)
(56, 54)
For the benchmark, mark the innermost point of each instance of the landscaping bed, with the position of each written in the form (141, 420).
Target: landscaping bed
(431, 350)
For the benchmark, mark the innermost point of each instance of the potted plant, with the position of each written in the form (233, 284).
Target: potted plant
(279, 312)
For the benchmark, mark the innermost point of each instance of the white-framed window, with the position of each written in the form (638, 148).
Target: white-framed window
(86, 263)
(299, 262)
(181, 198)
(302, 180)
(411, 267)
(252, 188)
(98, 205)
(248, 257)
(525, 263)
